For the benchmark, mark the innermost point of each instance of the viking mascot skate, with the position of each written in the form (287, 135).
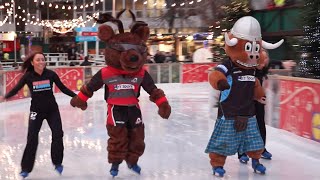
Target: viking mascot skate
(125, 55)
(236, 127)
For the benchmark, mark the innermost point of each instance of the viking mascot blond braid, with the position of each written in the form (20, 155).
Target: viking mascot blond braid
(236, 127)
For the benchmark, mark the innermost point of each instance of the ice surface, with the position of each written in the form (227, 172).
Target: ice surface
(174, 147)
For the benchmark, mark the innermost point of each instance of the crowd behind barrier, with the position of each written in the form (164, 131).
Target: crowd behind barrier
(292, 103)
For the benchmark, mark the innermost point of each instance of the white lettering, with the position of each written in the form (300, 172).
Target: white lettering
(247, 78)
(138, 121)
(33, 115)
(120, 122)
(123, 86)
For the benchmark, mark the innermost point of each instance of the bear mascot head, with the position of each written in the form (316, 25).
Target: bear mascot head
(126, 50)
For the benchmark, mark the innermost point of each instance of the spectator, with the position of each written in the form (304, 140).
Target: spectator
(72, 52)
(173, 57)
(23, 57)
(150, 59)
(159, 57)
(86, 62)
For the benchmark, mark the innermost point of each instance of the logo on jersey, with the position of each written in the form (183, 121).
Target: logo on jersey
(41, 85)
(33, 115)
(247, 78)
(138, 121)
(123, 86)
(120, 122)
(134, 80)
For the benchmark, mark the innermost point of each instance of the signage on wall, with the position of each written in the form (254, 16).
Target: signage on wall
(86, 29)
(85, 38)
(7, 36)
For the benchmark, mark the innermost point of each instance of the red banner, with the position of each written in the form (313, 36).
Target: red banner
(196, 72)
(71, 77)
(300, 108)
(12, 78)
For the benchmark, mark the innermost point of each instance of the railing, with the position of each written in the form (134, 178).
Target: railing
(57, 59)
(73, 77)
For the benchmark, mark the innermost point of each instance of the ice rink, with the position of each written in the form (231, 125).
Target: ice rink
(174, 147)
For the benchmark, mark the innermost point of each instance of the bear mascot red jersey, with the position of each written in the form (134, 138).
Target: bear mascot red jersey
(122, 78)
(236, 126)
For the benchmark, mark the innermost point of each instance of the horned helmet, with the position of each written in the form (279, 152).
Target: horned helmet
(244, 42)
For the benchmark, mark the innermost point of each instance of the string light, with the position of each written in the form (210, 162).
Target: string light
(309, 65)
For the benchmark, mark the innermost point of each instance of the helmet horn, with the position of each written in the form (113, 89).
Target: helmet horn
(267, 45)
(229, 42)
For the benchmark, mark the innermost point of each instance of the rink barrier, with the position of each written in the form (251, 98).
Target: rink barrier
(293, 104)
(75, 76)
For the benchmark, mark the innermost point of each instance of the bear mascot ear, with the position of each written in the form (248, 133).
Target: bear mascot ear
(105, 32)
(139, 27)
(143, 32)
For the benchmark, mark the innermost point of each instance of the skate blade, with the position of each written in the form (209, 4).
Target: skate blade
(243, 162)
(218, 175)
(259, 172)
(266, 158)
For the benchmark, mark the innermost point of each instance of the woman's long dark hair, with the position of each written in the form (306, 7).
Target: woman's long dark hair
(27, 66)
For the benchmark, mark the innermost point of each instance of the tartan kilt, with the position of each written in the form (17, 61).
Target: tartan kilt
(226, 141)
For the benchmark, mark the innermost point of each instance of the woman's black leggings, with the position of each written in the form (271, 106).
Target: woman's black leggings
(35, 123)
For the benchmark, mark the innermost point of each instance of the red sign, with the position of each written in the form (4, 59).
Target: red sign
(70, 77)
(8, 46)
(89, 33)
(12, 78)
(300, 108)
(196, 72)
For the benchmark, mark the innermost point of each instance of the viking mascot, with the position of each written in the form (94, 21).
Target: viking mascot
(236, 127)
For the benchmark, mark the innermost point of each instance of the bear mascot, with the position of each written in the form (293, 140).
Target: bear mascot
(122, 78)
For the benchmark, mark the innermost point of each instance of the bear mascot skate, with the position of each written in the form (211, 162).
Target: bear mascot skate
(236, 126)
(122, 78)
